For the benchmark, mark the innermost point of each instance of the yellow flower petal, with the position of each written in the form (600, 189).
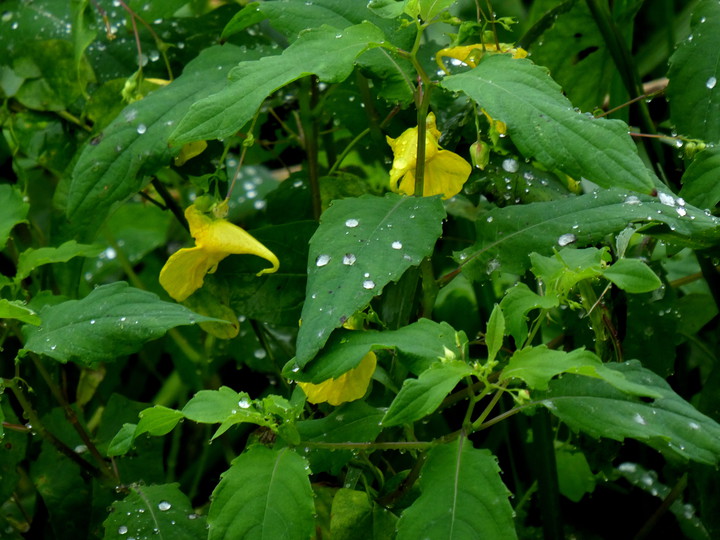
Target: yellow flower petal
(471, 54)
(215, 239)
(349, 386)
(445, 171)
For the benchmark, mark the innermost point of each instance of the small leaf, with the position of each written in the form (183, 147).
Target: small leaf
(669, 423)
(537, 365)
(633, 276)
(462, 497)
(14, 211)
(420, 397)
(517, 303)
(361, 245)
(264, 492)
(157, 421)
(543, 125)
(495, 332)
(112, 321)
(700, 185)
(14, 309)
(122, 442)
(32, 258)
(154, 511)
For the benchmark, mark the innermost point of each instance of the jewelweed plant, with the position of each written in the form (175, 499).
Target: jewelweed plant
(346, 269)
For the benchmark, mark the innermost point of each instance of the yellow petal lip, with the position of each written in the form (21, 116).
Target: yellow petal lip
(471, 54)
(445, 171)
(349, 386)
(215, 239)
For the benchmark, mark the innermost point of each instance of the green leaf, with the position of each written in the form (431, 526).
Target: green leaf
(135, 144)
(462, 497)
(633, 276)
(700, 185)
(112, 321)
(575, 478)
(158, 420)
(420, 397)
(32, 258)
(122, 442)
(361, 245)
(227, 111)
(495, 332)
(15, 211)
(537, 365)
(264, 494)
(354, 422)
(14, 309)
(543, 125)
(154, 511)
(517, 303)
(693, 92)
(568, 267)
(509, 234)
(419, 345)
(668, 424)
(431, 8)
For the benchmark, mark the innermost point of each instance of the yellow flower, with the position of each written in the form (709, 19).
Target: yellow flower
(349, 386)
(471, 54)
(445, 171)
(215, 239)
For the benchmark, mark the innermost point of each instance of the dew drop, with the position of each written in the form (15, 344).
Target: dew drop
(322, 260)
(244, 403)
(349, 259)
(681, 211)
(142, 128)
(632, 199)
(368, 284)
(260, 354)
(639, 419)
(352, 223)
(510, 165)
(397, 245)
(667, 200)
(711, 82)
(122, 529)
(92, 321)
(566, 239)
(164, 506)
(489, 219)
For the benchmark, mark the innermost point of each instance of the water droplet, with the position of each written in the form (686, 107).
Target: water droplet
(260, 354)
(368, 284)
(92, 321)
(352, 223)
(639, 419)
(510, 165)
(322, 260)
(711, 82)
(565, 239)
(142, 128)
(681, 211)
(164, 506)
(193, 516)
(244, 403)
(489, 219)
(693, 425)
(122, 529)
(667, 200)
(632, 199)
(397, 245)
(349, 259)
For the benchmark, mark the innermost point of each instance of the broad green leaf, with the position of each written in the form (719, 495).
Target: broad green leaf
(14, 211)
(517, 303)
(431, 8)
(564, 269)
(668, 423)
(509, 234)
(117, 163)
(14, 309)
(158, 420)
(633, 276)
(32, 258)
(700, 186)
(264, 494)
(227, 111)
(154, 511)
(418, 345)
(361, 245)
(462, 496)
(495, 332)
(420, 397)
(537, 365)
(387, 9)
(355, 517)
(351, 422)
(693, 92)
(575, 478)
(112, 321)
(543, 125)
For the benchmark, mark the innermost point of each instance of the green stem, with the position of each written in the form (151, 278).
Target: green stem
(170, 203)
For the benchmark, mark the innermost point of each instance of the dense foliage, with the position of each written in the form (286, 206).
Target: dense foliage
(350, 270)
